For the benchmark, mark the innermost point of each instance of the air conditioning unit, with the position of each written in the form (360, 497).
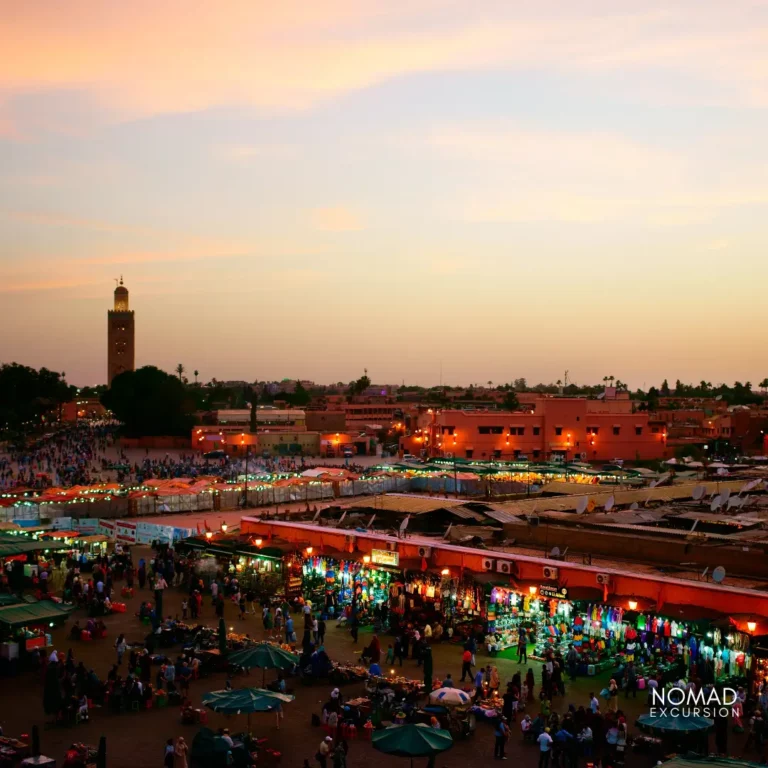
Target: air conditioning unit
(392, 546)
(488, 563)
(425, 551)
(550, 573)
(583, 455)
(603, 579)
(504, 566)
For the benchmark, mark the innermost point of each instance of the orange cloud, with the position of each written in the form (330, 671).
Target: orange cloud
(336, 219)
(143, 57)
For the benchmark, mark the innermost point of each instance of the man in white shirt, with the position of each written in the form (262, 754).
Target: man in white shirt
(226, 737)
(545, 746)
(594, 704)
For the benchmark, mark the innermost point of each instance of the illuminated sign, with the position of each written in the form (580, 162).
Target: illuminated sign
(559, 593)
(385, 557)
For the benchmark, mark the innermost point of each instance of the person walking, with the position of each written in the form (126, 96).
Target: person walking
(321, 630)
(522, 646)
(545, 747)
(631, 681)
(501, 734)
(323, 751)
(180, 751)
(466, 665)
(120, 646)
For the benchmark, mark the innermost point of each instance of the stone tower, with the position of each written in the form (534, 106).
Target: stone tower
(120, 335)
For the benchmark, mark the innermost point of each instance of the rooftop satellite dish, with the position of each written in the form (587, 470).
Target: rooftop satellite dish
(370, 522)
(718, 575)
(719, 397)
(343, 515)
(581, 506)
(609, 504)
(717, 502)
(653, 484)
(733, 502)
(317, 514)
(404, 524)
(634, 505)
(699, 492)
(555, 552)
(448, 531)
(725, 494)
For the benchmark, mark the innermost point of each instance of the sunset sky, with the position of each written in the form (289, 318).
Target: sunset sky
(304, 189)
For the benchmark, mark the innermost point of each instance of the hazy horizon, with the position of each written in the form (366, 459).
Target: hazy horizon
(291, 190)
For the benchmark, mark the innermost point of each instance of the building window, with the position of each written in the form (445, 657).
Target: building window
(617, 430)
(654, 430)
(470, 452)
(517, 430)
(491, 430)
(536, 430)
(638, 430)
(558, 431)
(536, 454)
(593, 430)
(497, 454)
(448, 430)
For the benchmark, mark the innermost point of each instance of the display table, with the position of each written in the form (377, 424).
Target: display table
(41, 761)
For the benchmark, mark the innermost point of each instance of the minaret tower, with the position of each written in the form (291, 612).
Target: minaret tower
(120, 335)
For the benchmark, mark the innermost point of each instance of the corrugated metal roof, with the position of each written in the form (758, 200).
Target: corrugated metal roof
(641, 496)
(404, 504)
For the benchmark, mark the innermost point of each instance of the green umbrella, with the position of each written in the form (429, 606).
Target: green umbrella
(666, 724)
(237, 701)
(418, 740)
(246, 700)
(264, 656)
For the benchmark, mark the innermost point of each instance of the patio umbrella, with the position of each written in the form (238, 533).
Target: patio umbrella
(264, 656)
(411, 740)
(667, 724)
(245, 700)
(450, 697)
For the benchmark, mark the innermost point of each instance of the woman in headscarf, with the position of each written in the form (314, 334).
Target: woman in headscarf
(180, 751)
(530, 681)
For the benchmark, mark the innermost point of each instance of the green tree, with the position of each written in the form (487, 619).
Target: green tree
(197, 373)
(150, 402)
(27, 395)
(299, 397)
(510, 401)
(180, 370)
(359, 386)
(664, 388)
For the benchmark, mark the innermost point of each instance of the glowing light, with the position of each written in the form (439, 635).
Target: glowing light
(751, 626)
(258, 542)
(223, 527)
(309, 550)
(208, 535)
(633, 605)
(366, 558)
(533, 590)
(445, 572)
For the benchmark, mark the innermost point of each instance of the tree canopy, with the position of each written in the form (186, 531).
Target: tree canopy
(150, 402)
(26, 395)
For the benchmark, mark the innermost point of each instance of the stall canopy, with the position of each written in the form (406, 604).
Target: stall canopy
(32, 613)
(22, 546)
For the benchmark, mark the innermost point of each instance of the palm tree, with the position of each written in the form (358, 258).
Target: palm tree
(196, 374)
(764, 385)
(180, 370)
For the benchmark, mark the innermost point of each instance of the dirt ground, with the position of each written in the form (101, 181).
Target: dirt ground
(137, 739)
